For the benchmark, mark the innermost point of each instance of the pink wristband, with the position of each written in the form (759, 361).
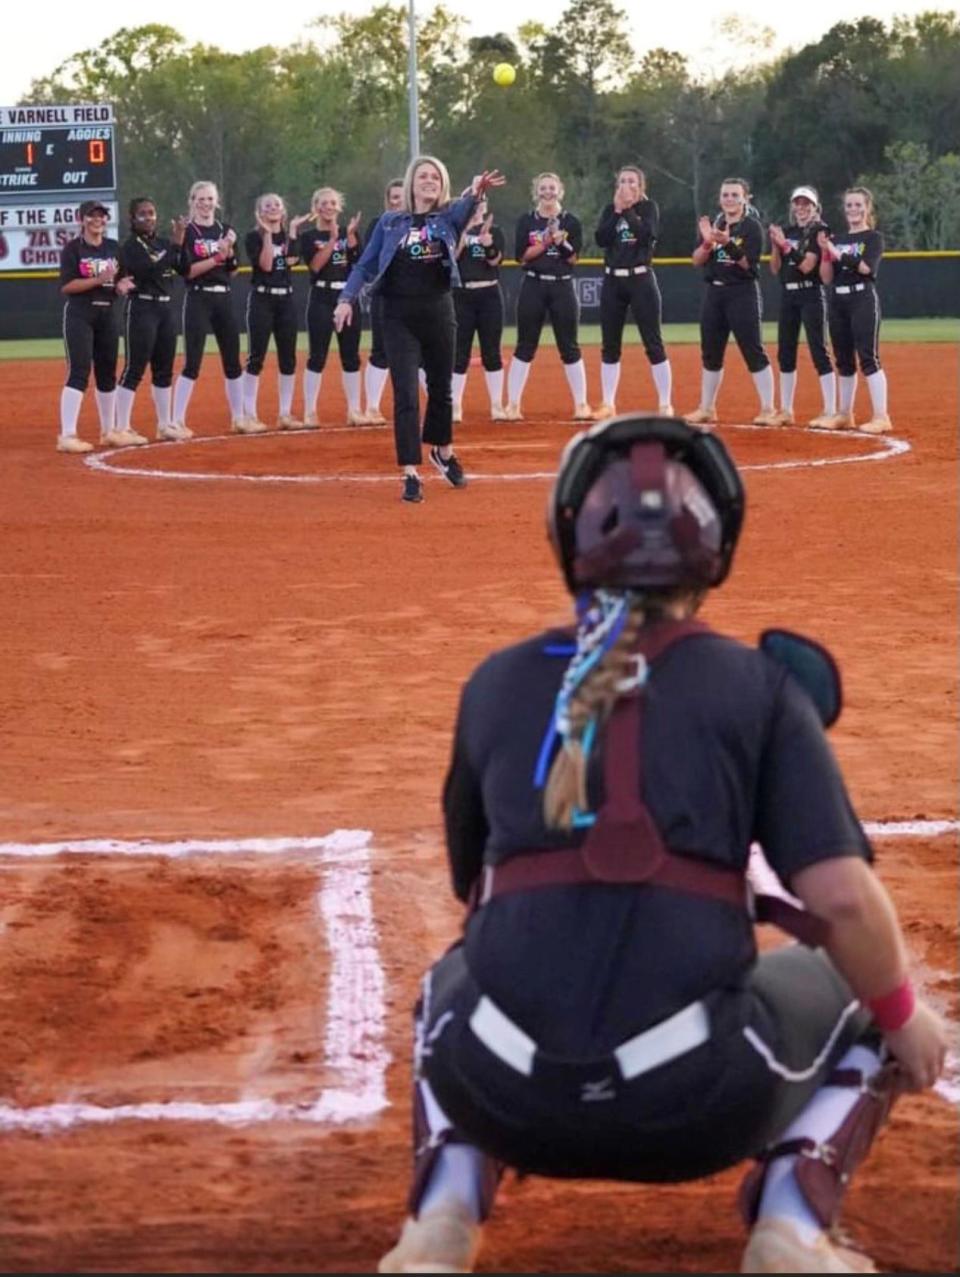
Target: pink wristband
(891, 1011)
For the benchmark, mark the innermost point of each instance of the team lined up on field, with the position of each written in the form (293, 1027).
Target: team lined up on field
(826, 279)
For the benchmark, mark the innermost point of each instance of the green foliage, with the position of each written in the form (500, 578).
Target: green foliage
(863, 98)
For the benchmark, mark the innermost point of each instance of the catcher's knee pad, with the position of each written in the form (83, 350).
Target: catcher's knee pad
(823, 1170)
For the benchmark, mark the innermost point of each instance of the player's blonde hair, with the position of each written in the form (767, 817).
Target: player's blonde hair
(197, 187)
(566, 789)
(271, 195)
(868, 200)
(641, 176)
(539, 178)
(417, 163)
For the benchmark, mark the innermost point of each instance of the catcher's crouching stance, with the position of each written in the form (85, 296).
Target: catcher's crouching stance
(606, 1013)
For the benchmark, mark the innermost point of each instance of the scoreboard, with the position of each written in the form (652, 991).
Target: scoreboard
(52, 158)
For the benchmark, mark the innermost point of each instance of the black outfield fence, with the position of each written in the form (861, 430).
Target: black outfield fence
(912, 285)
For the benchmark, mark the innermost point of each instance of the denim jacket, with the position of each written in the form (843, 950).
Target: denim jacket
(390, 232)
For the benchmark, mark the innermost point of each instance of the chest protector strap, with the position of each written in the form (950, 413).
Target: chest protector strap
(624, 844)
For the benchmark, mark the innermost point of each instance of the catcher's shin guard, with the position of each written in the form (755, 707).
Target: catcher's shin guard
(431, 1132)
(823, 1170)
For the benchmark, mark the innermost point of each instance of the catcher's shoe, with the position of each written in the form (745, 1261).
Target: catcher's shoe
(776, 1247)
(71, 443)
(583, 412)
(286, 422)
(445, 1241)
(768, 418)
(247, 426)
(497, 413)
(173, 432)
(881, 425)
(665, 410)
(839, 421)
(310, 421)
(512, 412)
(701, 417)
(375, 417)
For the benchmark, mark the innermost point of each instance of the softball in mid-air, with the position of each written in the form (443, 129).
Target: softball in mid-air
(504, 74)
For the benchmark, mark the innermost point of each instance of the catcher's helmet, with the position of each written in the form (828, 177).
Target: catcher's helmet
(645, 502)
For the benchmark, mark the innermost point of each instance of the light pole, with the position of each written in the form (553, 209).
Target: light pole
(413, 99)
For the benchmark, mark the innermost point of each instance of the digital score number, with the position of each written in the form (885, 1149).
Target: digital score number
(57, 161)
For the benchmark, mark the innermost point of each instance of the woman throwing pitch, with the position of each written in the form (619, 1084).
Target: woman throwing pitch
(411, 259)
(548, 242)
(627, 233)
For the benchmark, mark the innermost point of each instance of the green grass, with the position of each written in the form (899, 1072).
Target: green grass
(893, 330)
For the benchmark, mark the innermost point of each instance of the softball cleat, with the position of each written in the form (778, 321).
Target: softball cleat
(512, 412)
(497, 413)
(822, 422)
(769, 417)
(357, 419)
(121, 439)
(701, 417)
(880, 425)
(247, 426)
(839, 421)
(775, 1246)
(71, 443)
(665, 410)
(445, 1241)
(375, 417)
(604, 411)
(583, 412)
(172, 432)
(310, 421)
(286, 422)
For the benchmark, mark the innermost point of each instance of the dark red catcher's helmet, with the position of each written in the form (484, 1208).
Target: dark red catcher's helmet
(644, 502)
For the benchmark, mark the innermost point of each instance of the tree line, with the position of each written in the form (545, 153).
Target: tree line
(865, 103)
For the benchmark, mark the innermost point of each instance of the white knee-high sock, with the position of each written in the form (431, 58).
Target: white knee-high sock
(763, 380)
(288, 382)
(162, 398)
(788, 388)
(458, 383)
(828, 389)
(311, 389)
(609, 381)
(71, 401)
(125, 400)
(422, 378)
(494, 382)
(662, 375)
(234, 388)
(181, 398)
(351, 388)
(577, 381)
(517, 379)
(374, 381)
(107, 410)
(709, 387)
(821, 1118)
(249, 392)
(877, 385)
(848, 391)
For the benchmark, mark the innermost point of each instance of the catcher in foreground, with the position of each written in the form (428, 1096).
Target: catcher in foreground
(606, 1014)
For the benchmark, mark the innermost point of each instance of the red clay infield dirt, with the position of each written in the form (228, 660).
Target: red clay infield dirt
(231, 657)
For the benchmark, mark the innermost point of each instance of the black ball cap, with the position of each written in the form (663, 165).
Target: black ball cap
(89, 207)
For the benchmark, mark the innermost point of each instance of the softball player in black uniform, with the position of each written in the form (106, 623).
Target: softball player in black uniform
(209, 260)
(795, 260)
(331, 249)
(270, 310)
(88, 280)
(850, 263)
(606, 1014)
(548, 241)
(478, 303)
(150, 325)
(378, 369)
(627, 233)
(729, 252)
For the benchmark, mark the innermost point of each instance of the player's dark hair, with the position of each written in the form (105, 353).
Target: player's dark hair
(739, 181)
(135, 204)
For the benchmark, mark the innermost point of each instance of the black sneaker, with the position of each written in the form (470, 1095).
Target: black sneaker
(451, 469)
(412, 488)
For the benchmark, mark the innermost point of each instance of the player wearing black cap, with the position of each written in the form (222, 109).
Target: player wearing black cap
(795, 260)
(89, 266)
(478, 302)
(209, 260)
(150, 326)
(270, 309)
(627, 233)
(548, 242)
(729, 252)
(850, 263)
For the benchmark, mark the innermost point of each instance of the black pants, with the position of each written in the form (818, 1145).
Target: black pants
(205, 312)
(772, 1043)
(271, 315)
(378, 348)
(540, 298)
(91, 336)
(640, 296)
(149, 337)
(320, 307)
(479, 311)
(726, 309)
(804, 305)
(855, 331)
(420, 330)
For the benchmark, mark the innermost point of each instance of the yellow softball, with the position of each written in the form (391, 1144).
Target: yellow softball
(504, 74)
